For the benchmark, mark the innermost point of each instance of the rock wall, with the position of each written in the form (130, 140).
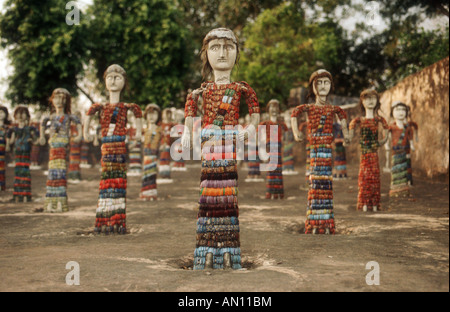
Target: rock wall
(427, 93)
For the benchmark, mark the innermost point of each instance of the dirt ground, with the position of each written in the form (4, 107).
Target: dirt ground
(409, 240)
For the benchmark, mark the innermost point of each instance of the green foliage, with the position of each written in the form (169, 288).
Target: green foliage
(282, 50)
(45, 52)
(148, 39)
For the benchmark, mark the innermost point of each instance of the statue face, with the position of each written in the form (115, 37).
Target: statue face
(2, 115)
(399, 112)
(273, 110)
(152, 116)
(222, 54)
(370, 102)
(322, 86)
(58, 100)
(114, 82)
(22, 117)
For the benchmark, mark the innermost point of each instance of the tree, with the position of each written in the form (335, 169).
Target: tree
(46, 53)
(282, 50)
(149, 40)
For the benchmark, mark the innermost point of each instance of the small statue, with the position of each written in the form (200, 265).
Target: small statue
(274, 179)
(152, 139)
(22, 136)
(218, 243)
(415, 129)
(400, 141)
(56, 196)
(369, 169)
(36, 148)
(134, 149)
(320, 214)
(4, 125)
(74, 172)
(164, 147)
(111, 208)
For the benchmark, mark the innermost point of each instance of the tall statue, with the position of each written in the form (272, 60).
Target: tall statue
(164, 148)
(274, 143)
(369, 193)
(60, 119)
(111, 208)
(23, 137)
(36, 148)
(74, 171)
(320, 213)
(400, 141)
(4, 125)
(152, 139)
(218, 243)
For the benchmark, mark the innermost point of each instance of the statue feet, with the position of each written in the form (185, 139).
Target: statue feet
(209, 260)
(227, 260)
(365, 208)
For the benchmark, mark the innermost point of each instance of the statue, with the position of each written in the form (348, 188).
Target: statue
(4, 124)
(56, 196)
(415, 130)
(111, 208)
(152, 139)
(74, 172)
(320, 215)
(22, 136)
(36, 148)
(253, 161)
(400, 141)
(134, 149)
(164, 148)
(369, 193)
(274, 179)
(218, 243)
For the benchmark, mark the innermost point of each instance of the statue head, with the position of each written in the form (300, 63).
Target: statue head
(152, 113)
(399, 110)
(220, 51)
(320, 84)
(167, 115)
(115, 78)
(22, 114)
(273, 108)
(4, 115)
(60, 99)
(369, 99)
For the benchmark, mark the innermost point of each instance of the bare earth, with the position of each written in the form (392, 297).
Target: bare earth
(409, 240)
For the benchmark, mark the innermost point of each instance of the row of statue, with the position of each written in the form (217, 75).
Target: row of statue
(217, 102)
